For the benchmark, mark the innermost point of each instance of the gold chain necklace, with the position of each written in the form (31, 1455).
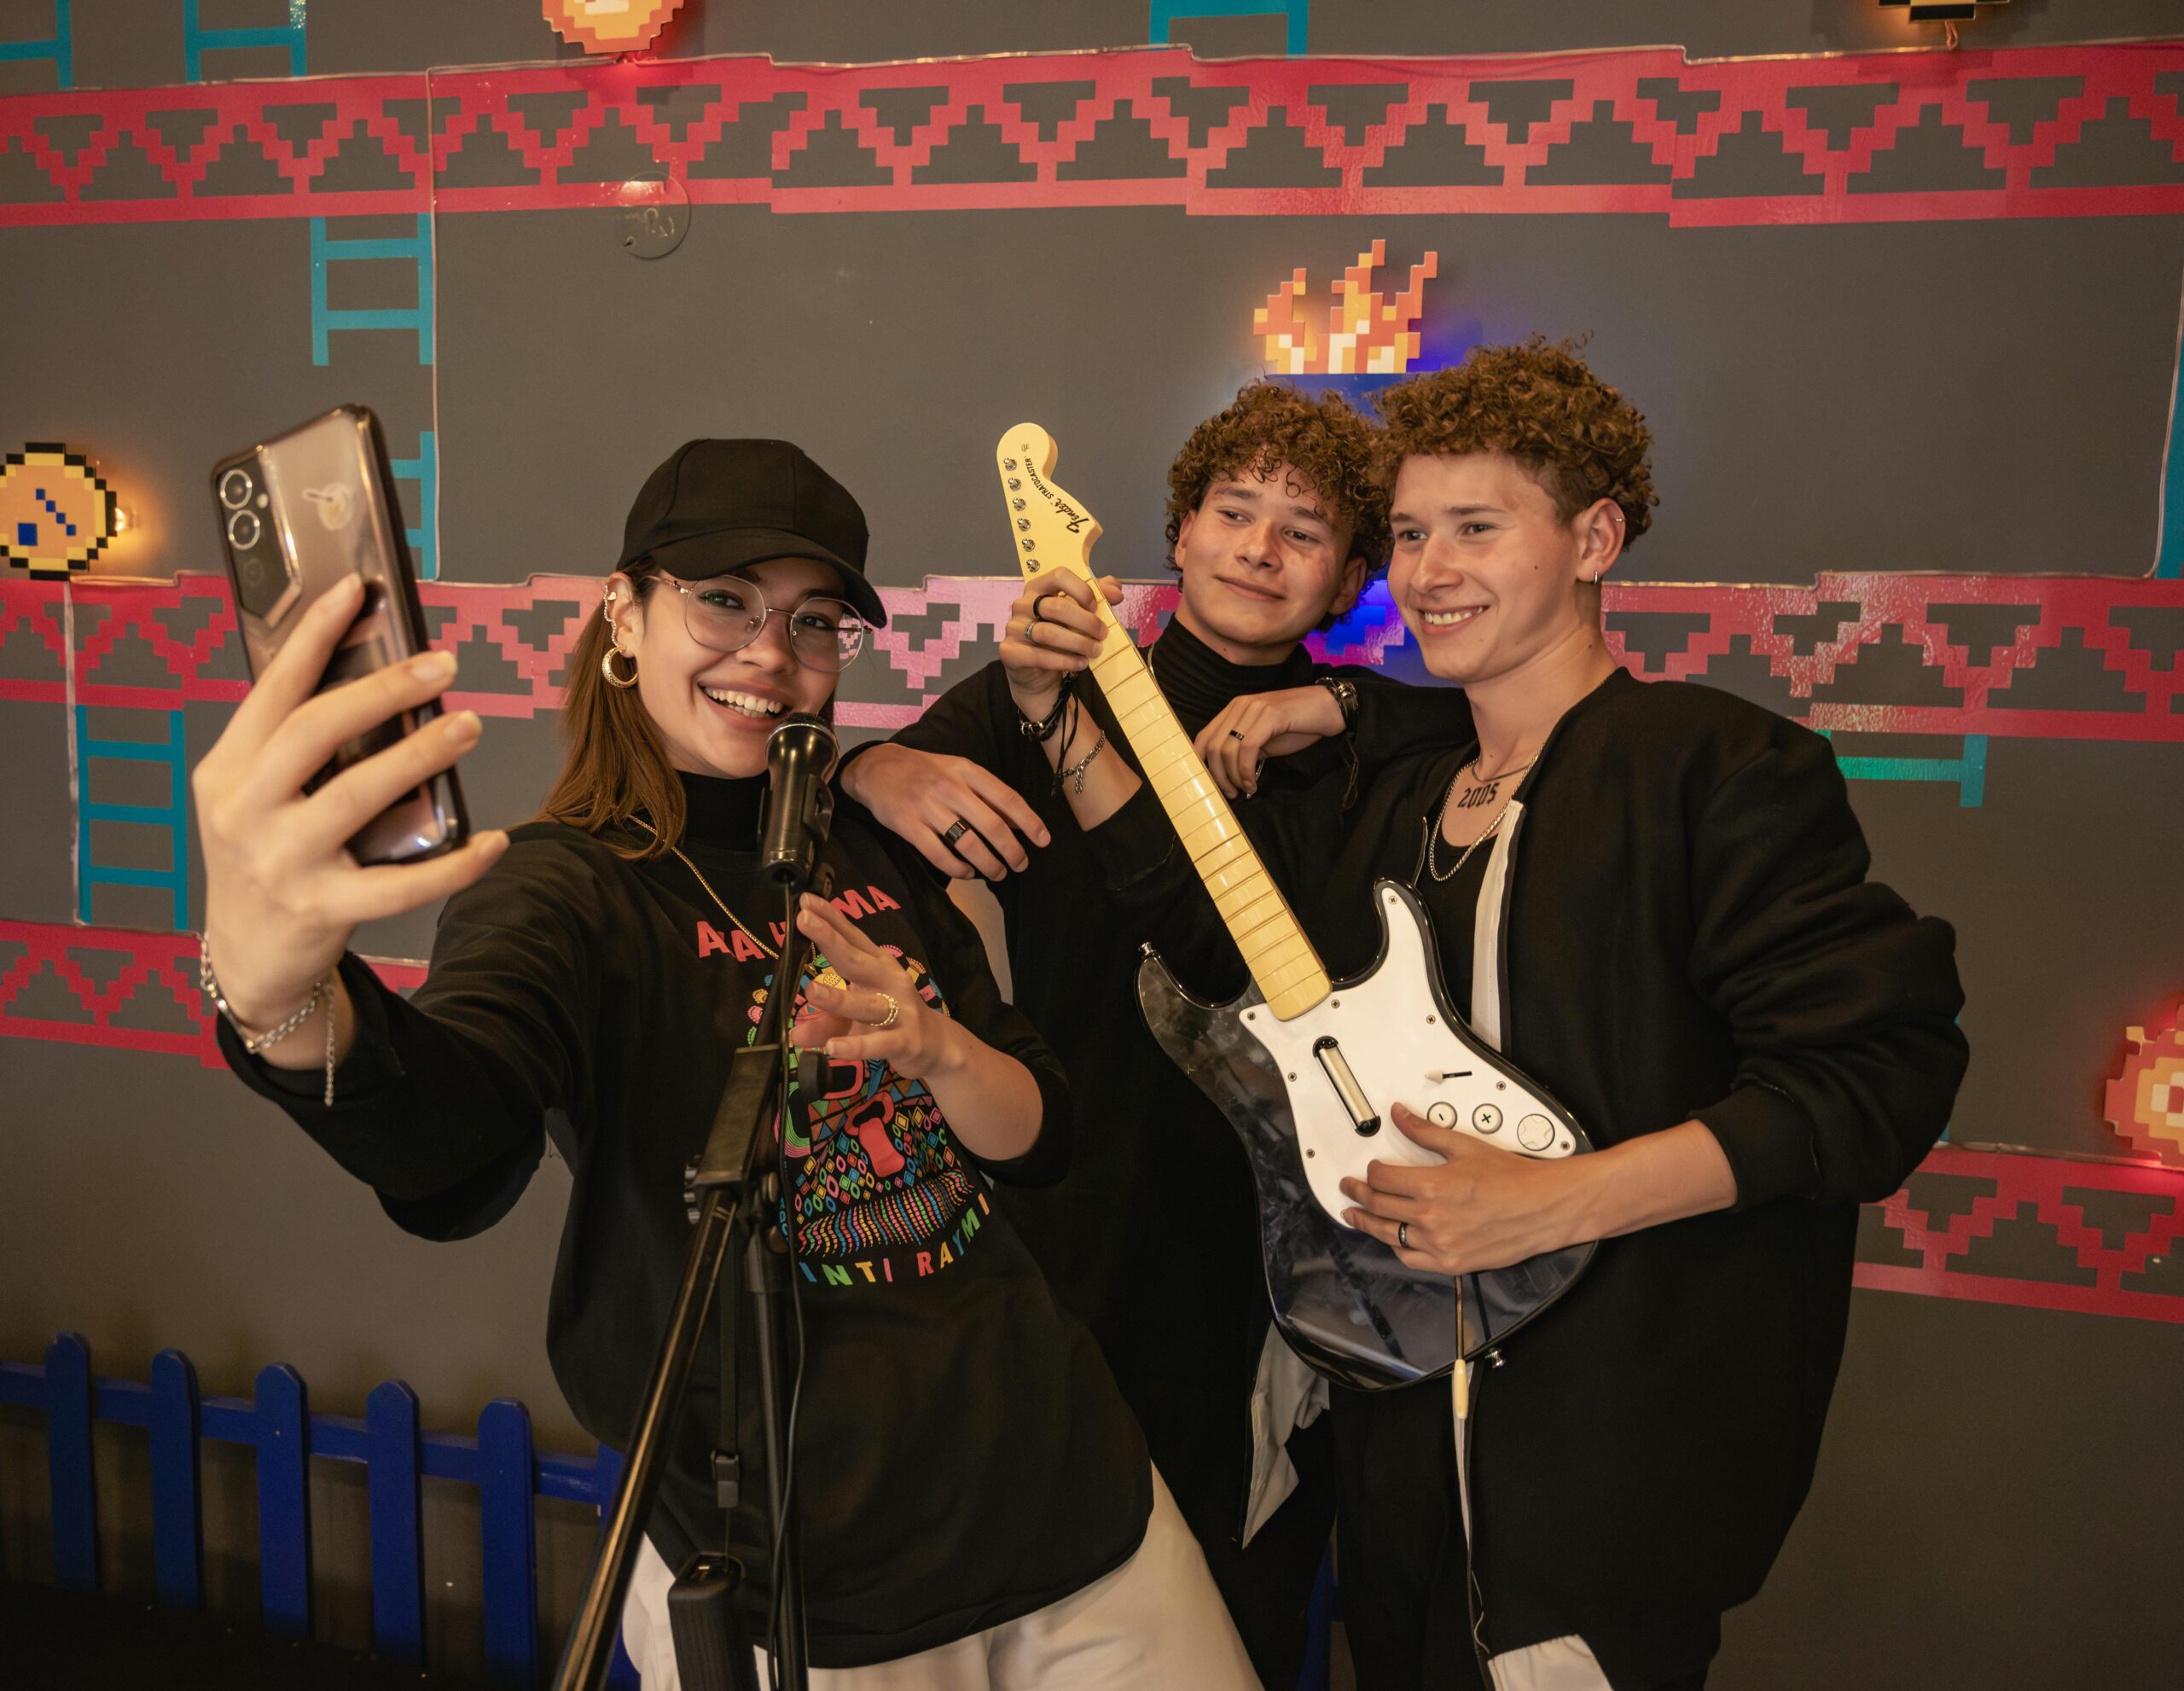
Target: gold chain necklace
(699, 875)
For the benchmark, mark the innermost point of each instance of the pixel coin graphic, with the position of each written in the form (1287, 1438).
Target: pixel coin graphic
(56, 515)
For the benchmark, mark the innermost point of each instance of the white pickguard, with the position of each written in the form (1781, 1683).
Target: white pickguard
(1390, 1030)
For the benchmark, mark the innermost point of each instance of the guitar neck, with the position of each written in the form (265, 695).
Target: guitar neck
(1281, 960)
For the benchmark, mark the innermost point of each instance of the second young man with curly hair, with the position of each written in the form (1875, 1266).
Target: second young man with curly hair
(1666, 890)
(1276, 521)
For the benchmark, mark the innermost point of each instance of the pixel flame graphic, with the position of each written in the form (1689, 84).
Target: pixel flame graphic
(1367, 333)
(2146, 1102)
(610, 26)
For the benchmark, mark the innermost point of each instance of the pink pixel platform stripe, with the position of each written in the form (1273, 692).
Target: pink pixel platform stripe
(971, 612)
(412, 132)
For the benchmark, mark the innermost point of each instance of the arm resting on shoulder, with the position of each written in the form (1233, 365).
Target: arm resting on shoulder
(1395, 720)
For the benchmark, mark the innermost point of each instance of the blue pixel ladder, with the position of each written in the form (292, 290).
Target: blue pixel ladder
(197, 40)
(424, 469)
(173, 816)
(500, 1462)
(1967, 771)
(1298, 13)
(60, 47)
(325, 319)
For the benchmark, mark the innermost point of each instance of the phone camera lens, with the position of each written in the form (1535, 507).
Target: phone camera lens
(235, 489)
(243, 529)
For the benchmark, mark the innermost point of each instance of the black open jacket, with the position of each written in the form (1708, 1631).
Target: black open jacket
(1687, 932)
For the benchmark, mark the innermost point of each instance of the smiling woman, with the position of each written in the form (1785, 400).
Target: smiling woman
(765, 552)
(582, 977)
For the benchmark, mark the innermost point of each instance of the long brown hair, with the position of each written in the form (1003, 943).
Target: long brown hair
(615, 767)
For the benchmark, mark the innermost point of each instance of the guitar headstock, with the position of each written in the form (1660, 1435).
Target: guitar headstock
(1052, 529)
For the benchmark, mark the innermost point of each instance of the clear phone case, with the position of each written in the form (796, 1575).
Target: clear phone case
(298, 514)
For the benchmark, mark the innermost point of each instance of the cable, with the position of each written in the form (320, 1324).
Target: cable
(774, 1616)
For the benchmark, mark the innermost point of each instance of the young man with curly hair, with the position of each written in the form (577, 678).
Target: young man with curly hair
(1666, 890)
(1276, 521)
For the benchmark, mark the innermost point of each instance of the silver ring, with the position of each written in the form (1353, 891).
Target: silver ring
(894, 1010)
(955, 833)
(1403, 1235)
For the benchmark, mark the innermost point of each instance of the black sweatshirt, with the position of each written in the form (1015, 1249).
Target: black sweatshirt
(1152, 1239)
(1688, 931)
(963, 1455)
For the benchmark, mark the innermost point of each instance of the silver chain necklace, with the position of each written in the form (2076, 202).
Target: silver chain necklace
(1487, 786)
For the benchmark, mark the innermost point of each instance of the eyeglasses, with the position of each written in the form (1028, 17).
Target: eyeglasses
(726, 613)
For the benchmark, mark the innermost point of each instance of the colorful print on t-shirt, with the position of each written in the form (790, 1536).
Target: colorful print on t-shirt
(877, 1174)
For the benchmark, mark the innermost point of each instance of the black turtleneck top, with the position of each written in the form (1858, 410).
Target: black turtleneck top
(1153, 1237)
(952, 1416)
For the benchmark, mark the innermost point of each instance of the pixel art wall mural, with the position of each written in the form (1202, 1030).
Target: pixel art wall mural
(1906, 324)
(1919, 671)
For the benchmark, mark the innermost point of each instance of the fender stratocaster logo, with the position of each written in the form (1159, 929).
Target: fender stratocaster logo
(1068, 513)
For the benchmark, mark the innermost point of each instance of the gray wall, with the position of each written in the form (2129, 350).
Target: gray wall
(1983, 396)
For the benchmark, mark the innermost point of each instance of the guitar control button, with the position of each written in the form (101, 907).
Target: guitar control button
(1535, 1133)
(1487, 1118)
(1442, 1115)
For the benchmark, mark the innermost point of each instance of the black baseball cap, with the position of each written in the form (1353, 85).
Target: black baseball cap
(718, 505)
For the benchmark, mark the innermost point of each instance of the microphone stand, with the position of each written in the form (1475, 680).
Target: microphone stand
(735, 1187)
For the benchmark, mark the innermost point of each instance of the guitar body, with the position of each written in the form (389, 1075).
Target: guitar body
(1344, 1301)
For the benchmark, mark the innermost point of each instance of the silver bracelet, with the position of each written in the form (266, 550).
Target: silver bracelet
(1074, 775)
(322, 992)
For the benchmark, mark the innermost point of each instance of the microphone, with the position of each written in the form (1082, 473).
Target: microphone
(800, 754)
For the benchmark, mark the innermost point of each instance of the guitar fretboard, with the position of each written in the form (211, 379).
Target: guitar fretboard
(1281, 960)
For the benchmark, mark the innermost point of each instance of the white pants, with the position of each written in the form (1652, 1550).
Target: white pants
(1155, 1624)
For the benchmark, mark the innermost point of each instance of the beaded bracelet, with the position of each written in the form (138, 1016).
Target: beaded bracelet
(322, 992)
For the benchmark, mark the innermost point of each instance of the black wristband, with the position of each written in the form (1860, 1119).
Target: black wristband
(1039, 732)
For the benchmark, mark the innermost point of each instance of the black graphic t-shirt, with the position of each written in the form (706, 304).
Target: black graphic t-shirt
(962, 1456)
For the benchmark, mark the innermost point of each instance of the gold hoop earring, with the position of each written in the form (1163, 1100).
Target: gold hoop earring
(606, 667)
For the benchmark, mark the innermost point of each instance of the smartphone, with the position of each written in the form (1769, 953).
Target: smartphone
(300, 513)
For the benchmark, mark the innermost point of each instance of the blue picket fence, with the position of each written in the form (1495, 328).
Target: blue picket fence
(510, 1476)
(500, 1462)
